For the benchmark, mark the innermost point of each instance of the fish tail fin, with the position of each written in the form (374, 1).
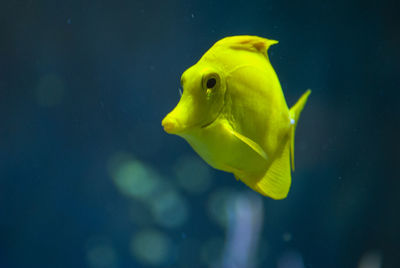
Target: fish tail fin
(294, 114)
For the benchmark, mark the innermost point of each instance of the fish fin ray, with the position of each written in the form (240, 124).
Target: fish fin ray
(294, 114)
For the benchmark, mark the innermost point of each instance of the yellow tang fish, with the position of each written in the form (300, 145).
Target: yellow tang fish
(233, 113)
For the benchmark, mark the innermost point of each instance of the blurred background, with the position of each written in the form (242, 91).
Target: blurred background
(88, 178)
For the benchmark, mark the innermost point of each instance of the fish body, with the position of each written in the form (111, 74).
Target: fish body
(234, 115)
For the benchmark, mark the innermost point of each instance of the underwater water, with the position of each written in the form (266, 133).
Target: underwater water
(88, 177)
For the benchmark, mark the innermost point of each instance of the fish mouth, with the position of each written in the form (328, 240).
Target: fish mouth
(172, 125)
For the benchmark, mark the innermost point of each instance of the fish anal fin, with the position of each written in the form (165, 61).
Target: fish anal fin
(275, 183)
(277, 180)
(252, 144)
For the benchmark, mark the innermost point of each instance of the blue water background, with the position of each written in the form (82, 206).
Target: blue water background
(84, 86)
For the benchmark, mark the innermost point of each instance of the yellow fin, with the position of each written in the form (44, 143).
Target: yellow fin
(276, 181)
(294, 114)
(248, 42)
(252, 144)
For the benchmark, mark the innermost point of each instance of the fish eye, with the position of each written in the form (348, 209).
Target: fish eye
(211, 82)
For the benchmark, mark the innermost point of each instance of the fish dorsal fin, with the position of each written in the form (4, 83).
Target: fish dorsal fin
(294, 114)
(248, 42)
(252, 144)
(277, 180)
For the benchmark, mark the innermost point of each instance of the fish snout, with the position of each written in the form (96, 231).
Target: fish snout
(170, 124)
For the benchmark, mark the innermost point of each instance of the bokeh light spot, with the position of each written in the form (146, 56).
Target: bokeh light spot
(100, 254)
(219, 204)
(169, 209)
(151, 247)
(192, 174)
(371, 259)
(287, 237)
(133, 178)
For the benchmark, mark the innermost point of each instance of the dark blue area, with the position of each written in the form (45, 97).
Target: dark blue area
(120, 63)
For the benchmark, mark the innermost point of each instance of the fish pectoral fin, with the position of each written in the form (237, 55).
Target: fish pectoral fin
(276, 181)
(252, 144)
